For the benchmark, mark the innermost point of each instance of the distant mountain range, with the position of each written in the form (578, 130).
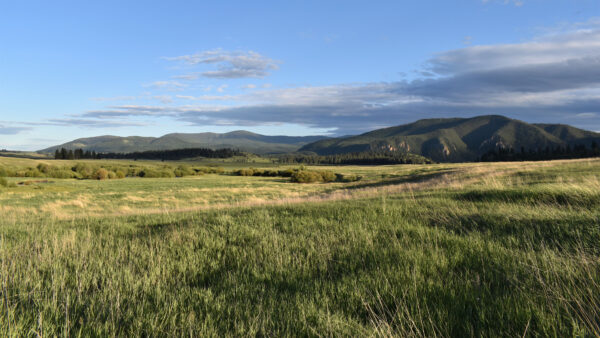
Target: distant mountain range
(442, 140)
(242, 140)
(457, 139)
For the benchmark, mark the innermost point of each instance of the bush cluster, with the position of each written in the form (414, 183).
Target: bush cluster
(184, 170)
(264, 172)
(103, 172)
(300, 175)
(347, 178)
(156, 173)
(310, 176)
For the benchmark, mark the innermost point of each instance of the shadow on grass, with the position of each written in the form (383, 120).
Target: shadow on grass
(410, 178)
(561, 198)
(538, 233)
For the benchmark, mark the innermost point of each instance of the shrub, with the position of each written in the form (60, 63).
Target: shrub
(258, 172)
(309, 176)
(264, 172)
(347, 178)
(3, 172)
(245, 172)
(29, 172)
(305, 176)
(184, 170)
(101, 174)
(271, 173)
(210, 170)
(61, 173)
(327, 176)
(147, 173)
(286, 173)
(120, 174)
(3, 182)
(166, 173)
(44, 168)
(112, 175)
(133, 172)
(153, 173)
(85, 170)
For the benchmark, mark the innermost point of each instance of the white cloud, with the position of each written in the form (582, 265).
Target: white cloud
(554, 78)
(163, 98)
(189, 77)
(11, 130)
(230, 65)
(545, 50)
(207, 97)
(116, 98)
(167, 85)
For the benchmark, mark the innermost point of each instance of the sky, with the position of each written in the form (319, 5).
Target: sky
(71, 69)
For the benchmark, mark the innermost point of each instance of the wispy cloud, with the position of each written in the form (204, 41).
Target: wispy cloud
(586, 115)
(116, 98)
(189, 77)
(554, 78)
(222, 88)
(207, 97)
(94, 123)
(96, 120)
(169, 85)
(9, 130)
(230, 64)
(545, 50)
(163, 98)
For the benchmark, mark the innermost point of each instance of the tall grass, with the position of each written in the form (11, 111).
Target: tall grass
(465, 255)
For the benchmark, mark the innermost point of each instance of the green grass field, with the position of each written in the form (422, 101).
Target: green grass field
(482, 249)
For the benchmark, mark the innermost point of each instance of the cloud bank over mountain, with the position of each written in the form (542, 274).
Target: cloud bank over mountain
(552, 78)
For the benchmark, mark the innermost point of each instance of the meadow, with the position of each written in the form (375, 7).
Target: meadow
(476, 249)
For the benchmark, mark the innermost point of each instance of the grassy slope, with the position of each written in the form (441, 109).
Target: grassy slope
(23, 154)
(242, 140)
(473, 249)
(464, 139)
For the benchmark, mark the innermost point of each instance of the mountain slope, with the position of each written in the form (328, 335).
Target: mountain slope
(457, 139)
(243, 140)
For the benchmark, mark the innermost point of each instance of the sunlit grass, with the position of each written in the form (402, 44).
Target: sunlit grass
(502, 249)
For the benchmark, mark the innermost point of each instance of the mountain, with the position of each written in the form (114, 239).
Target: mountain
(457, 139)
(243, 140)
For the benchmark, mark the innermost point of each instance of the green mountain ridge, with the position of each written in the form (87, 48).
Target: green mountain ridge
(457, 139)
(242, 140)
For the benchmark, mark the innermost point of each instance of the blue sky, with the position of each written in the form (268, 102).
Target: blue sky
(71, 69)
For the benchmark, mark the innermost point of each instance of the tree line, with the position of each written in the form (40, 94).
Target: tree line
(77, 154)
(356, 158)
(502, 154)
(172, 155)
